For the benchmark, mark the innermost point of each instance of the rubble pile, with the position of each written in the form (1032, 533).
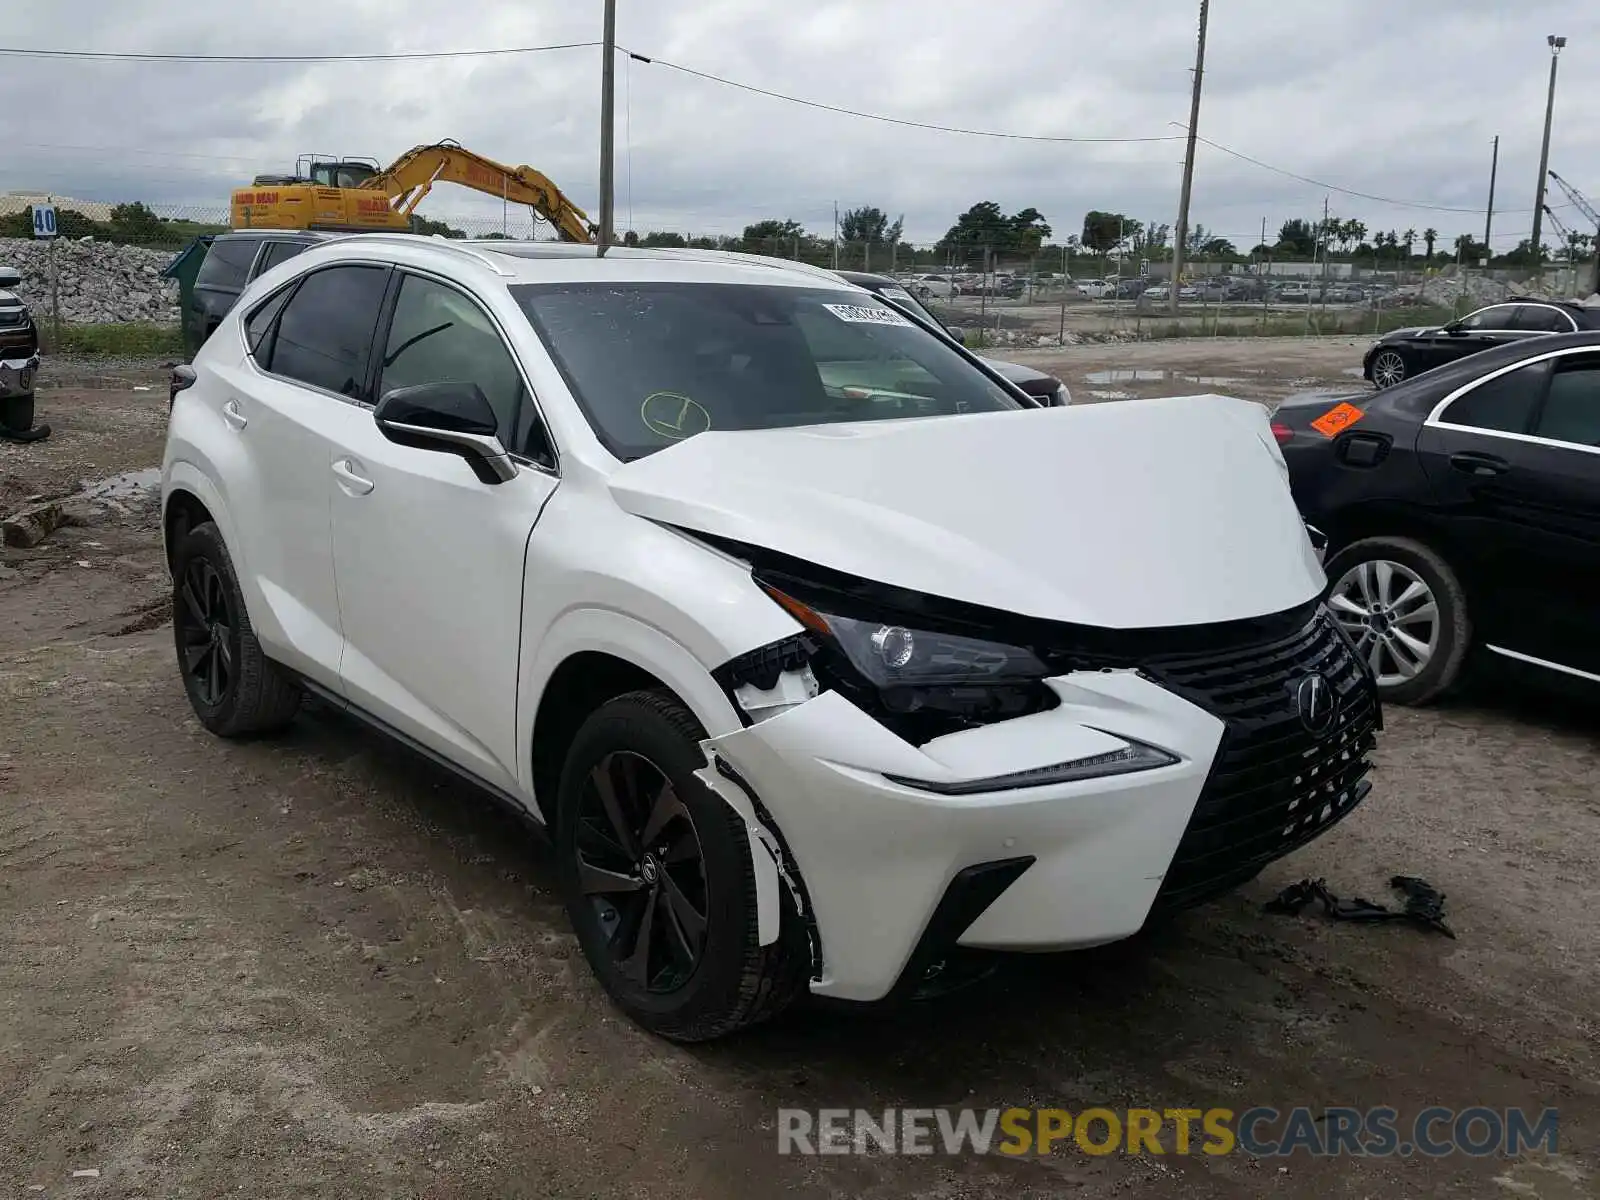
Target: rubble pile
(100, 282)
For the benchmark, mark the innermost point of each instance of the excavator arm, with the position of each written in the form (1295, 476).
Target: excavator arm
(411, 176)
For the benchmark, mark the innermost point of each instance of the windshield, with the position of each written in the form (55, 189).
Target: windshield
(653, 363)
(905, 299)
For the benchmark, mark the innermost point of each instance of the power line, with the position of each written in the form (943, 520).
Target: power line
(884, 118)
(399, 56)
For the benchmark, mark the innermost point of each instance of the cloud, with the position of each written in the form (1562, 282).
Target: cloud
(1398, 99)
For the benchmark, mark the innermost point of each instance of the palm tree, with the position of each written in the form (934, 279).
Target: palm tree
(1409, 239)
(1429, 237)
(1358, 231)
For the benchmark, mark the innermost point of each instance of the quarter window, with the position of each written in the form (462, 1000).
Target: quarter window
(1504, 404)
(227, 263)
(438, 335)
(324, 337)
(1571, 410)
(259, 324)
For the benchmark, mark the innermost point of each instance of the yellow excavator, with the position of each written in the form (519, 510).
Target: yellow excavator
(353, 195)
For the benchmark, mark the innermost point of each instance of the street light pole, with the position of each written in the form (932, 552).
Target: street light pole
(1556, 45)
(1182, 238)
(608, 92)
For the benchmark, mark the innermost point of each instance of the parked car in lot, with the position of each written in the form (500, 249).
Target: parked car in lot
(1300, 293)
(803, 641)
(19, 363)
(1405, 352)
(1462, 510)
(231, 261)
(1158, 292)
(1095, 289)
(934, 287)
(1130, 289)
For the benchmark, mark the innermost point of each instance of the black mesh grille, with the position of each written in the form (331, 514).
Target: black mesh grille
(1275, 785)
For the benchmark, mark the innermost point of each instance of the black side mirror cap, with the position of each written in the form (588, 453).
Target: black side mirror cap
(451, 417)
(957, 332)
(10, 277)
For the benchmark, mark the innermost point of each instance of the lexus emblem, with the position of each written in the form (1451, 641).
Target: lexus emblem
(1317, 703)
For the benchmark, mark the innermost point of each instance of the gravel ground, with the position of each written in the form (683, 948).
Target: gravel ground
(312, 966)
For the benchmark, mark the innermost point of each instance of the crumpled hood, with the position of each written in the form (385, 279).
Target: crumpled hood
(1146, 513)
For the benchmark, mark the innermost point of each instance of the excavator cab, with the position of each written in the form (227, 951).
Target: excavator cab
(336, 173)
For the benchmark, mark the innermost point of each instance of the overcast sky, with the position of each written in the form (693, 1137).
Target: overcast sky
(1397, 98)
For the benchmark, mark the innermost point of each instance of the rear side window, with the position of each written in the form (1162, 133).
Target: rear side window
(277, 252)
(324, 335)
(260, 323)
(227, 263)
(1504, 404)
(1571, 411)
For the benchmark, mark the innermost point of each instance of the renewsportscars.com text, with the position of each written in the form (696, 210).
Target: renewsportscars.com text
(1260, 1132)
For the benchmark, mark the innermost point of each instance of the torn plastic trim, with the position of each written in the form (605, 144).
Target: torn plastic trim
(770, 679)
(768, 852)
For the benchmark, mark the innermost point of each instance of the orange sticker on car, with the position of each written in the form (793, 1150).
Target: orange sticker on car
(1340, 417)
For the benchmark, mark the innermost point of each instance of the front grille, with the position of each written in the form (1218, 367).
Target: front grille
(1275, 785)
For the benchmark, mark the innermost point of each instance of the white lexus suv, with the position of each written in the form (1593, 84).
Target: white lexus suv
(827, 659)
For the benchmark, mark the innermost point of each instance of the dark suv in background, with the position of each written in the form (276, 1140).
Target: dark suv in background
(233, 260)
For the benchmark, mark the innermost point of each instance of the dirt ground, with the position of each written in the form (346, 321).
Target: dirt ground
(312, 966)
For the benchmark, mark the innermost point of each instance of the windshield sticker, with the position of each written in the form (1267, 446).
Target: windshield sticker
(1339, 417)
(673, 415)
(861, 314)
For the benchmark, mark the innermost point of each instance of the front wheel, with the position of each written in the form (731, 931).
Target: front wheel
(658, 881)
(1388, 368)
(1407, 613)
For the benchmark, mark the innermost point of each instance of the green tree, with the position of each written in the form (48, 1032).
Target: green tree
(1430, 235)
(870, 225)
(660, 237)
(1296, 236)
(1408, 239)
(424, 225)
(1103, 232)
(136, 223)
(1218, 247)
(771, 233)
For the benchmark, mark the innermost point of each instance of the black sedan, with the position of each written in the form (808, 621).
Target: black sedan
(1462, 511)
(1046, 389)
(1406, 352)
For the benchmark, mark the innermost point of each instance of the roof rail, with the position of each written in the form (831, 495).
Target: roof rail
(435, 240)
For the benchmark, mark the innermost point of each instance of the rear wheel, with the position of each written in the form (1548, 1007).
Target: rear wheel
(658, 880)
(1407, 613)
(1388, 368)
(232, 686)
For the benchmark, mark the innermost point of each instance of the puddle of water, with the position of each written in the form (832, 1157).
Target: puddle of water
(1112, 395)
(128, 485)
(1160, 375)
(1353, 372)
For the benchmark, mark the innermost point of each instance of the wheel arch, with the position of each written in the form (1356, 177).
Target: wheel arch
(588, 657)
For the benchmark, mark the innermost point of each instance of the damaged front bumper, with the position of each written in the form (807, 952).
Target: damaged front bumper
(17, 374)
(890, 876)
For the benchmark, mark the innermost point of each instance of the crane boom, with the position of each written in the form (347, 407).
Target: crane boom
(1578, 200)
(1555, 221)
(411, 176)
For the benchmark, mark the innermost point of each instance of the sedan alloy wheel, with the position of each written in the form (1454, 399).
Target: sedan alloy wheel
(1392, 615)
(1388, 369)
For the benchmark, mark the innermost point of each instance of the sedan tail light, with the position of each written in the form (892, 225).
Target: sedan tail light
(1282, 433)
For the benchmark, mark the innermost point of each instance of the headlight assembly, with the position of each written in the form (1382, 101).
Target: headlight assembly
(922, 682)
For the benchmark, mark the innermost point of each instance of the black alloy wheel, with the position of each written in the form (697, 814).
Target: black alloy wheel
(641, 868)
(206, 631)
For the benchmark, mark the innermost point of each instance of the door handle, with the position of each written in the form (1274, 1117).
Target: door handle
(1474, 462)
(234, 415)
(354, 484)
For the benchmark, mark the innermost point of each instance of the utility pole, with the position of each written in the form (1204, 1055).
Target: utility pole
(835, 235)
(1556, 45)
(608, 90)
(1180, 243)
(1488, 216)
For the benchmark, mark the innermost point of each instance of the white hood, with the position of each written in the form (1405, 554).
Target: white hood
(1144, 513)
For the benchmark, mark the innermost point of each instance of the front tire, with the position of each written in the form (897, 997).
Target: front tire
(232, 686)
(658, 881)
(1407, 613)
(1389, 367)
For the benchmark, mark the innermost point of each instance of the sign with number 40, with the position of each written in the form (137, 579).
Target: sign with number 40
(44, 221)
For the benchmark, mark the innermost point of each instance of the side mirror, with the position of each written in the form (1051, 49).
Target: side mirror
(10, 277)
(451, 417)
(957, 332)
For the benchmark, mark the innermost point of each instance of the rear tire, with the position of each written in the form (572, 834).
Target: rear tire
(1358, 572)
(16, 413)
(232, 686)
(649, 856)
